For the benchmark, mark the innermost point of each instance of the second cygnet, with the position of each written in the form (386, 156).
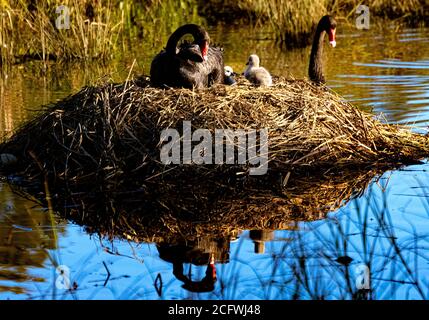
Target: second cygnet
(257, 75)
(229, 76)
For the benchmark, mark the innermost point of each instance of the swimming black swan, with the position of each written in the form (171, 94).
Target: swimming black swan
(326, 25)
(192, 65)
(257, 75)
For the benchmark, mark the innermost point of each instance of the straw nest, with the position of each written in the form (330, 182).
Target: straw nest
(106, 141)
(110, 134)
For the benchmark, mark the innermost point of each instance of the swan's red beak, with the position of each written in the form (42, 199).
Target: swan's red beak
(331, 34)
(204, 49)
(211, 267)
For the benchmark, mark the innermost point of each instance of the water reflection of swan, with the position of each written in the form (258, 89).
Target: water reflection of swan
(326, 25)
(195, 65)
(204, 254)
(259, 238)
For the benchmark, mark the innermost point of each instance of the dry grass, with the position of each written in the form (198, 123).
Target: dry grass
(393, 9)
(293, 22)
(29, 31)
(103, 143)
(103, 132)
(97, 31)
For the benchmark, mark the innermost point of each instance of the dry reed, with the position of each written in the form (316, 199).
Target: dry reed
(104, 143)
(110, 134)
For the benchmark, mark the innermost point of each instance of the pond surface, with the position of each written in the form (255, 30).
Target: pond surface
(379, 240)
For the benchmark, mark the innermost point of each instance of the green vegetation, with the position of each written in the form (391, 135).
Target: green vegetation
(98, 30)
(294, 21)
(28, 28)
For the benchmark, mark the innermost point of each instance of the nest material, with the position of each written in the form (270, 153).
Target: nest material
(111, 133)
(103, 143)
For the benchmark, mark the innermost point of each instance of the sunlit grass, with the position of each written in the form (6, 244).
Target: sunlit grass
(97, 30)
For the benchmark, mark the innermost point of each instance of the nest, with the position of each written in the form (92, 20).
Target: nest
(105, 142)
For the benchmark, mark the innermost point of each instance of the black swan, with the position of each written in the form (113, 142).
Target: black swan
(326, 25)
(195, 65)
(257, 75)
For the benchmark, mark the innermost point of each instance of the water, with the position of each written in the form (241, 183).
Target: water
(384, 230)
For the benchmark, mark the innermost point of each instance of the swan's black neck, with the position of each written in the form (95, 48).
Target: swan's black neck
(315, 70)
(196, 31)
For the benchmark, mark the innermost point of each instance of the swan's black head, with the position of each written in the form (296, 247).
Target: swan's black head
(201, 38)
(328, 24)
(191, 52)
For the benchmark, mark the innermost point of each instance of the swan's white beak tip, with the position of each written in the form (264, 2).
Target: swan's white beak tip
(333, 43)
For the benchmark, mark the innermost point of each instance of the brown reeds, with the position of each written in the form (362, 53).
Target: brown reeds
(91, 30)
(111, 134)
(107, 140)
(103, 144)
(293, 22)
(56, 30)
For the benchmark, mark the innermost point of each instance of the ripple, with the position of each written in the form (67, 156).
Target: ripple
(393, 64)
(417, 101)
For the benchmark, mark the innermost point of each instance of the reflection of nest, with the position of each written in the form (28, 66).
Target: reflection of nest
(214, 213)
